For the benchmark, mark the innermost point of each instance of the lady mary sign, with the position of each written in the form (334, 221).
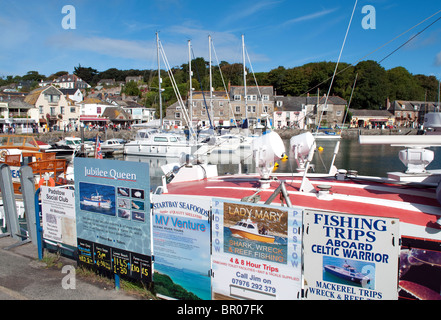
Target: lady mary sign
(350, 257)
(256, 251)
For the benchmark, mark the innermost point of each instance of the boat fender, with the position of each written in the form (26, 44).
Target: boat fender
(42, 182)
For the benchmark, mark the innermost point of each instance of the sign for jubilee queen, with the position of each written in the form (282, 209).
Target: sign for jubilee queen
(113, 216)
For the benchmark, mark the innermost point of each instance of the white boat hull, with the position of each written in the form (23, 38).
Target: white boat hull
(146, 149)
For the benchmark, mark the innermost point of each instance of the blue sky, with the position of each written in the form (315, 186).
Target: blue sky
(289, 33)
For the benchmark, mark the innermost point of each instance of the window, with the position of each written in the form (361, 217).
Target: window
(265, 109)
(160, 139)
(338, 113)
(265, 97)
(98, 110)
(236, 97)
(72, 109)
(52, 98)
(52, 111)
(177, 115)
(251, 109)
(41, 109)
(62, 110)
(237, 109)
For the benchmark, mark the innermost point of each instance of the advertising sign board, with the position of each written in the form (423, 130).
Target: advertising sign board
(350, 257)
(58, 215)
(113, 216)
(181, 239)
(256, 251)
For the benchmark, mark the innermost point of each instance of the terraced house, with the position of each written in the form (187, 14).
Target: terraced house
(224, 108)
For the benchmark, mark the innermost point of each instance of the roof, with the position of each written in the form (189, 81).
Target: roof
(15, 102)
(33, 96)
(371, 113)
(52, 90)
(94, 101)
(69, 91)
(217, 95)
(116, 113)
(129, 104)
(252, 90)
(296, 103)
(402, 105)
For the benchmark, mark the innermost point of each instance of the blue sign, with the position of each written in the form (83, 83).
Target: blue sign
(113, 216)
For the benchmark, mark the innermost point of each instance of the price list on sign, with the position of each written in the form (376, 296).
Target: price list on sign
(120, 262)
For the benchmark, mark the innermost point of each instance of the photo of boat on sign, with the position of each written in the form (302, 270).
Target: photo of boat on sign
(255, 231)
(349, 272)
(97, 198)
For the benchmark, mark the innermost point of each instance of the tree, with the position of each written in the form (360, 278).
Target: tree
(430, 85)
(131, 89)
(403, 86)
(372, 86)
(87, 74)
(33, 76)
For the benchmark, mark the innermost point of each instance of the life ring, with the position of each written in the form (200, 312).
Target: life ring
(3, 154)
(42, 181)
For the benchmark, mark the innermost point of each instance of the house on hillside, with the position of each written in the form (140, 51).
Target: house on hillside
(17, 114)
(136, 79)
(257, 106)
(202, 110)
(411, 113)
(73, 94)
(70, 81)
(54, 110)
(308, 111)
(139, 113)
(91, 111)
(290, 112)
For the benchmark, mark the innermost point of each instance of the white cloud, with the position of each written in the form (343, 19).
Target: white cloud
(311, 16)
(438, 60)
(138, 50)
(242, 12)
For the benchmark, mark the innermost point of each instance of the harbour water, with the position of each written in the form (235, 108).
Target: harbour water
(372, 160)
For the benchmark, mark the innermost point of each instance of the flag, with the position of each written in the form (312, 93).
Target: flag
(98, 153)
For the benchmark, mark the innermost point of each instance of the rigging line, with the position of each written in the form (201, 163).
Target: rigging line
(336, 66)
(411, 38)
(254, 75)
(202, 89)
(223, 82)
(350, 100)
(192, 134)
(380, 47)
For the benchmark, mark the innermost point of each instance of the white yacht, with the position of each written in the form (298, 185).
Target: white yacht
(150, 142)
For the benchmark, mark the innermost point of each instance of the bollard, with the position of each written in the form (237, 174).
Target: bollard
(28, 192)
(9, 204)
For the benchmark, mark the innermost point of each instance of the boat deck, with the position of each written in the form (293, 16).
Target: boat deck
(417, 208)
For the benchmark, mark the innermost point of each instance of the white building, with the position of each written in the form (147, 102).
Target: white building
(54, 110)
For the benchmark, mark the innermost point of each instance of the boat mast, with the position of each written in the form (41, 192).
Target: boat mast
(211, 79)
(191, 85)
(244, 77)
(159, 81)
(439, 89)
